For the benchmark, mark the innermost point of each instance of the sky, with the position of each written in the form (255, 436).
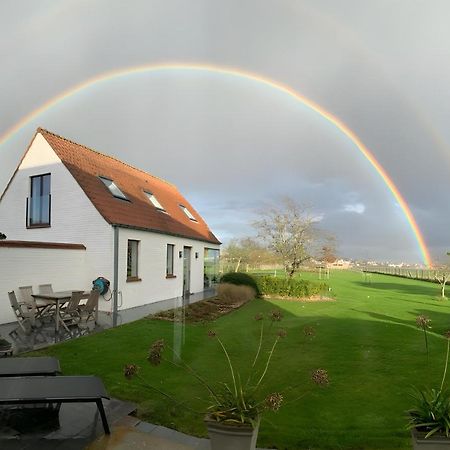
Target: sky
(234, 145)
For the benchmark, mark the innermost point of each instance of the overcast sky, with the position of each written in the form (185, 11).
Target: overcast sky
(232, 145)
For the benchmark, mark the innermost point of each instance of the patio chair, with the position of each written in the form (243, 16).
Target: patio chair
(24, 314)
(70, 314)
(40, 307)
(45, 289)
(87, 311)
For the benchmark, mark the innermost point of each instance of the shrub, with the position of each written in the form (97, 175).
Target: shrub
(287, 287)
(241, 279)
(231, 293)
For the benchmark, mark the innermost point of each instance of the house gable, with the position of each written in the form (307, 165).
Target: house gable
(90, 169)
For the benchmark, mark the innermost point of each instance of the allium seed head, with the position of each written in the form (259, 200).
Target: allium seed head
(447, 334)
(281, 333)
(320, 377)
(309, 331)
(155, 352)
(276, 315)
(423, 321)
(273, 401)
(130, 370)
(259, 316)
(211, 334)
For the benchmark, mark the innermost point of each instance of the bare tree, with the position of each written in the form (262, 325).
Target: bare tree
(246, 251)
(442, 276)
(289, 230)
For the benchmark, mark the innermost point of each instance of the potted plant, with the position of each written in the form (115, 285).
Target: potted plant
(236, 403)
(429, 419)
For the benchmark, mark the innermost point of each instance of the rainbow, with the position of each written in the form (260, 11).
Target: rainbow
(233, 72)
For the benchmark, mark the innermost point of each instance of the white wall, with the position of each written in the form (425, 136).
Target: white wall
(65, 269)
(154, 286)
(73, 220)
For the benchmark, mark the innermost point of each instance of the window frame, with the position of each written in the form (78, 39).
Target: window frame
(131, 263)
(188, 213)
(170, 266)
(154, 201)
(29, 207)
(118, 193)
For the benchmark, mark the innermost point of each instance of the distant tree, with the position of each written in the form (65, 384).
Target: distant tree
(289, 230)
(442, 276)
(246, 251)
(327, 252)
(2, 236)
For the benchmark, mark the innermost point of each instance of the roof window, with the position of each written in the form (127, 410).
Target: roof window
(115, 191)
(154, 201)
(188, 213)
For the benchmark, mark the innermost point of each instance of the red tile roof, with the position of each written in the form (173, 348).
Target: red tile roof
(87, 165)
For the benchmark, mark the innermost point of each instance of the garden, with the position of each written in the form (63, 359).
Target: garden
(366, 339)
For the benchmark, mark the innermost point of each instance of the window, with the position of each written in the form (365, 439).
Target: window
(154, 201)
(211, 267)
(115, 191)
(132, 260)
(169, 260)
(188, 213)
(38, 205)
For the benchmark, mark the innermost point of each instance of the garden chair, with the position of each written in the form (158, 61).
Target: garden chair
(70, 314)
(45, 289)
(87, 311)
(24, 314)
(40, 307)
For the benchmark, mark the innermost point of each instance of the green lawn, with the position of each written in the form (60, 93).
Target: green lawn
(366, 339)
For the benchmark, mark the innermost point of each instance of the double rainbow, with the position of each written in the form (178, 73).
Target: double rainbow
(232, 72)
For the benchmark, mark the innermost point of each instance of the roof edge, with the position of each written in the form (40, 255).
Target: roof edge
(119, 225)
(40, 130)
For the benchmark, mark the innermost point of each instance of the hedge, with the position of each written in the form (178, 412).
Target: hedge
(241, 279)
(286, 287)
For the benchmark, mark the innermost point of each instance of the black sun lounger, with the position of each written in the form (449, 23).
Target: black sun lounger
(57, 389)
(32, 366)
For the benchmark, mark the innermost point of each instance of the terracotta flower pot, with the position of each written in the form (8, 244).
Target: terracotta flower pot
(231, 437)
(435, 442)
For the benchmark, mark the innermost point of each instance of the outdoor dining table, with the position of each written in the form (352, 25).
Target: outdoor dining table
(59, 298)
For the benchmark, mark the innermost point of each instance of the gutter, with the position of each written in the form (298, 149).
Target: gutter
(116, 274)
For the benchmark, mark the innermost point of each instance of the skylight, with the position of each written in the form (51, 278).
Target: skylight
(154, 201)
(188, 213)
(115, 191)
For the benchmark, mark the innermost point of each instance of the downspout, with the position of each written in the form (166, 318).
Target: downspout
(116, 274)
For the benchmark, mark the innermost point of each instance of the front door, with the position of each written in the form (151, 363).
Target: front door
(186, 271)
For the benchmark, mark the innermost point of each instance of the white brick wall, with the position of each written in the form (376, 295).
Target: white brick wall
(154, 286)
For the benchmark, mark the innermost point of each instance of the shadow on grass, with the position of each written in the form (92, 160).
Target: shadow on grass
(405, 288)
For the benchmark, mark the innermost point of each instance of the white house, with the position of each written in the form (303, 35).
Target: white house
(72, 214)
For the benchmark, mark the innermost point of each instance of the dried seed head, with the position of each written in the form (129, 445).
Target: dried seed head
(281, 333)
(275, 315)
(273, 401)
(130, 370)
(423, 321)
(447, 334)
(155, 352)
(259, 316)
(309, 331)
(212, 334)
(320, 377)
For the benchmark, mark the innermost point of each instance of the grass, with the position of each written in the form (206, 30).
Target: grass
(367, 340)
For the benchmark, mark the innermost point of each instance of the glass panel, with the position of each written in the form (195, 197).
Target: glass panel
(132, 259)
(115, 191)
(154, 201)
(211, 267)
(188, 213)
(169, 265)
(39, 204)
